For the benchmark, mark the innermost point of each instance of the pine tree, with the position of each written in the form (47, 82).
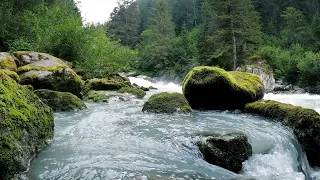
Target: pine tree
(156, 45)
(233, 32)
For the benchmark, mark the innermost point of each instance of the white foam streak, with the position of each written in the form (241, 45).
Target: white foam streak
(160, 85)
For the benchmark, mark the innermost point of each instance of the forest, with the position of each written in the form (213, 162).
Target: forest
(166, 38)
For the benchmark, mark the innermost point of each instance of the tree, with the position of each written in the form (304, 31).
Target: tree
(233, 32)
(296, 29)
(125, 23)
(156, 46)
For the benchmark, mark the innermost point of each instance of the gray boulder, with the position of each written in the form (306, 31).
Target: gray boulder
(228, 151)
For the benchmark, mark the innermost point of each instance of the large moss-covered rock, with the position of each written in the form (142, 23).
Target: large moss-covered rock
(139, 93)
(49, 74)
(212, 88)
(111, 83)
(60, 101)
(304, 122)
(25, 125)
(7, 61)
(167, 103)
(29, 57)
(228, 151)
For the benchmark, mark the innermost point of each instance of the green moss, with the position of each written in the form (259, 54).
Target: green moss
(63, 78)
(8, 63)
(304, 122)
(112, 83)
(214, 88)
(25, 125)
(135, 91)
(97, 97)
(11, 74)
(60, 101)
(167, 103)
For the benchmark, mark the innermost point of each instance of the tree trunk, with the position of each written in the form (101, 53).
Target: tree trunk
(234, 40)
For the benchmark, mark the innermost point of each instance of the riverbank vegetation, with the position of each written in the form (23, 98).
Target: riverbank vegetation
(168, 38)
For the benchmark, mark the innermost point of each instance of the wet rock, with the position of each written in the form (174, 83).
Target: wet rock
(96, 97)
(212, 88)
(50, 74)
(167, 103)
(139, 93)
(26, 124)
(60, 101)
(304, 122)
(228, 151)
(112, 83)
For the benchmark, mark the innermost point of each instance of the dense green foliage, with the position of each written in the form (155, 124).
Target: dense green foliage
(169, 37)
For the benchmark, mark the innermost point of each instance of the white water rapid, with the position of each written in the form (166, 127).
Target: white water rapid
(115, 140)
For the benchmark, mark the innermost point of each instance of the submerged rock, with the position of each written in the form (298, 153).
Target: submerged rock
(167, 103)
(228, 151)
(7, 61)
(49, 74)
(96, 97)
(60, 101)
(111, 83)
(139, 93)
(304, 122)
(213, 88)
(25, 125)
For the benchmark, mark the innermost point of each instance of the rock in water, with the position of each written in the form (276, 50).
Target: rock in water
(139, 93)
(25, 125)
(167, 103)
(49, 74)
(111, 83)
(212, 88)
(60, 101)
(304, 122)
(7, 61)
(228, 151)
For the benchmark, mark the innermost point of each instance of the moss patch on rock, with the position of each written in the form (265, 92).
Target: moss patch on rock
(167, 103)
(96, 97)
(7, 61)
(111, 83)
(25, 125)
(48, 74)
(60, 101)
(139, 93)
(212, 88)
(13, 75)
(304, 122)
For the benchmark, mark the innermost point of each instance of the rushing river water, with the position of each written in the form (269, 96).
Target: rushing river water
(115, 140)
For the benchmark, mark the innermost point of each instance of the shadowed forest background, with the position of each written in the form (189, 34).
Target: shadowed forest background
(166, 38)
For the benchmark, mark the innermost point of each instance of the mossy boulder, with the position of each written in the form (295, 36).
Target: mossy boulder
(49, 74)
(167, 103)
(212, 88)
(139, 93)
(7, 61)
(112, 83)
(96, 97)
(25, 125)
(60, 101)
(29, 57)
(228, 151)
(13, 75)
(304, 122)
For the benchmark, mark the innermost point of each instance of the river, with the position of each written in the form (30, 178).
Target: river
(115, 140)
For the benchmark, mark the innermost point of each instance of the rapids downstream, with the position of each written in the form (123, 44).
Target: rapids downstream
(115, 140)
